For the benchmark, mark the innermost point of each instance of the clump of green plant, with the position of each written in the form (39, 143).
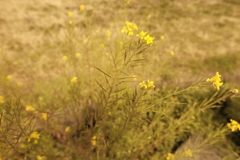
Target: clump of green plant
(106, 110)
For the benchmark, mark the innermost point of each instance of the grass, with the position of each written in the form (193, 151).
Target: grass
(103, 113)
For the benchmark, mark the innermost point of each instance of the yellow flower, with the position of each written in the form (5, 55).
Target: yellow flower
(128, 1)
(65, 58)
(129, 28)
(85, 41)
(9, 77)
(134, 77)
(20, 84)
(149, 16)
(78, 54)
(150, 84)
(41, 157)
(148, 40)
(147, 85)
(234, 125)
(216, 81)
(70, 14)
(102, 45)
(170, 156)
(143, 85)
(172, 53)
(217, 85)
(94, 140)
(67, 129)
(35, 136)
(82, 7)
(108, 33)
(141, 35)
(162, 37)
(188, 153)
(44, 116)
(40, 98)
(74, 80)
(217, 77)
(29, 108)
(2, 99)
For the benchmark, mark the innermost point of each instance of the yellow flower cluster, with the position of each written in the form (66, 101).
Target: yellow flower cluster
(234, 125)
(170, 156)
(216, 81)
(44, 116)
(82, 7)
(29, 108)
(70, 14)
(108, 33)
(67, 129)
(128, 1)
(147, 85)
(141, 35)
(94, 140)
(188, 153)
(2, 99)
(40, 98)
(41, 157)
(74, 80)
(148, 39)
(65, 58)
(78, 55)
(9, 77)
(35, 136)
(129, 28)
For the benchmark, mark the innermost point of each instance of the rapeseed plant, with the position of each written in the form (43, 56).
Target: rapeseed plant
(108, 117)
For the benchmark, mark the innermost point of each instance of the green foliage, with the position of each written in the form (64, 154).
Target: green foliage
(87, 88)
